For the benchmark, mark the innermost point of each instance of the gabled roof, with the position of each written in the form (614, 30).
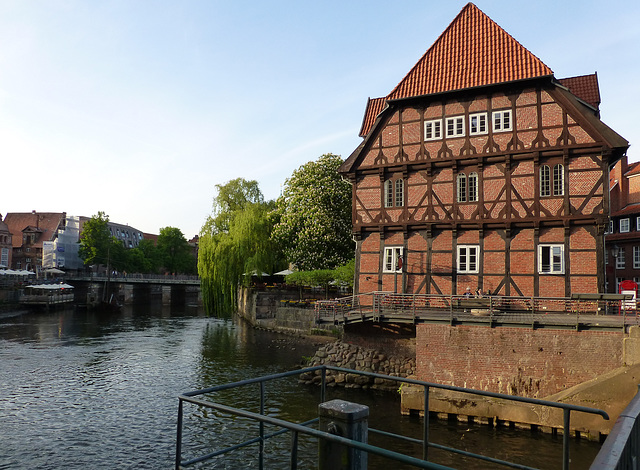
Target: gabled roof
(473, 51)
(584, 87)
(46, 223)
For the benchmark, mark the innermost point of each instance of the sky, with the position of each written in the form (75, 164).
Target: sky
(140, 108)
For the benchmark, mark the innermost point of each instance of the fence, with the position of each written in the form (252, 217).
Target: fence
(305, 428)
(581, 310)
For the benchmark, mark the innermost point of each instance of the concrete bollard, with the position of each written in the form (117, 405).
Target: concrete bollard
(348, 420)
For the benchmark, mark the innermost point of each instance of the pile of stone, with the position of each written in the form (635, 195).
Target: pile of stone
(350, 356)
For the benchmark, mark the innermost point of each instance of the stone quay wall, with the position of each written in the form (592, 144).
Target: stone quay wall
(353, 356)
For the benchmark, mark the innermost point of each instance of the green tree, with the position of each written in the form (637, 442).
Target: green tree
(235, 240)
(314, 216)
(97, 246)
(175, 251)
(144, 258)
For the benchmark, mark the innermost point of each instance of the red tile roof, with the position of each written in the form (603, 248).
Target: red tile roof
(46, 223)
(374, 107)
(634, 169)
(584, 87)
(473, 51)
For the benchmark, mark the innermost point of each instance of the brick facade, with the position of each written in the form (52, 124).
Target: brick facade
(515, 361)
(476, 206)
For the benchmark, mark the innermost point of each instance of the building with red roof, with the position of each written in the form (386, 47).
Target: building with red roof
(30, 231)
(481, 169)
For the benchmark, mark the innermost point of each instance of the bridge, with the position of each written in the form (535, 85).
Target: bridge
(179, 279)
(580, 312)
(125, 289)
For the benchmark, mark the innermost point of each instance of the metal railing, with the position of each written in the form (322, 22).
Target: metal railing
(607, 311)
(304, 428)
(621, 449)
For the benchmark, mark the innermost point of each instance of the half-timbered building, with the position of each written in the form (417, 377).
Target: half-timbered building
(480, 169)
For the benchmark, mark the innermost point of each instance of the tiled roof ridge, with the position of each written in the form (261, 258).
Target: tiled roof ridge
(427, 77)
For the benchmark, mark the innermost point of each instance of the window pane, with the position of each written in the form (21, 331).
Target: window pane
(388, 194)
(545, 259)
(399, 192)
(472, 260)
(462, 188)
(545, 186)
(557, 259)
(388, 259)
(473, 187)
(558, 180)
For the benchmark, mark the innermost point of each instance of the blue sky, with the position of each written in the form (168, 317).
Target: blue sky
(139, 108)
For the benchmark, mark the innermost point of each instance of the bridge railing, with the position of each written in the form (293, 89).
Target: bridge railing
(621, 449)
(529, 310)
(203, 399)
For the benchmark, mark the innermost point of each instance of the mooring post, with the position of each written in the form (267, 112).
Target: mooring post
(348, 420)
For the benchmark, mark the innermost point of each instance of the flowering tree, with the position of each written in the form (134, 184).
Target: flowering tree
(314, 216)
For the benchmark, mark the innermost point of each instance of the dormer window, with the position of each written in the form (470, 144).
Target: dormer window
(624, 225)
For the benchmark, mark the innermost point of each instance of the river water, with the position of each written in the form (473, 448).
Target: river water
(88, 390)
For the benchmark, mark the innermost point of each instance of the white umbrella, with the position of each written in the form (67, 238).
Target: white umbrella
(54, 271)
(284, 272)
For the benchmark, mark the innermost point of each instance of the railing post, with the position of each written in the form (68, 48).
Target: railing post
(348, 420)
(179, 436)
(565, 440)
(425, 430)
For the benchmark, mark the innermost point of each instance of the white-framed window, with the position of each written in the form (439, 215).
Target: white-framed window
(394, 192)
(606, 256)
(399, 193)
(636, 257)
(609, 228)
(467, 187)
(624, 225)
(468, 258)
(502, 121)
(546, 180)
(558, 180)
(618, 282)
(388, 193)
(392, 259)
(551, 259)
(620, 259)
(462, 187)
(473, 187)
(477, 123)
(433, 129)
(455, 126)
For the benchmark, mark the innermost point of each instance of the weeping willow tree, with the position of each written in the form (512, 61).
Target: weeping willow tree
(234, 241)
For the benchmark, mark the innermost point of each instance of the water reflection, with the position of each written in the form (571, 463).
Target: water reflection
(89, 390)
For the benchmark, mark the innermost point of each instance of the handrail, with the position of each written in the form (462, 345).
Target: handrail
(620, 450)
(578, 311)
(190, 397)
